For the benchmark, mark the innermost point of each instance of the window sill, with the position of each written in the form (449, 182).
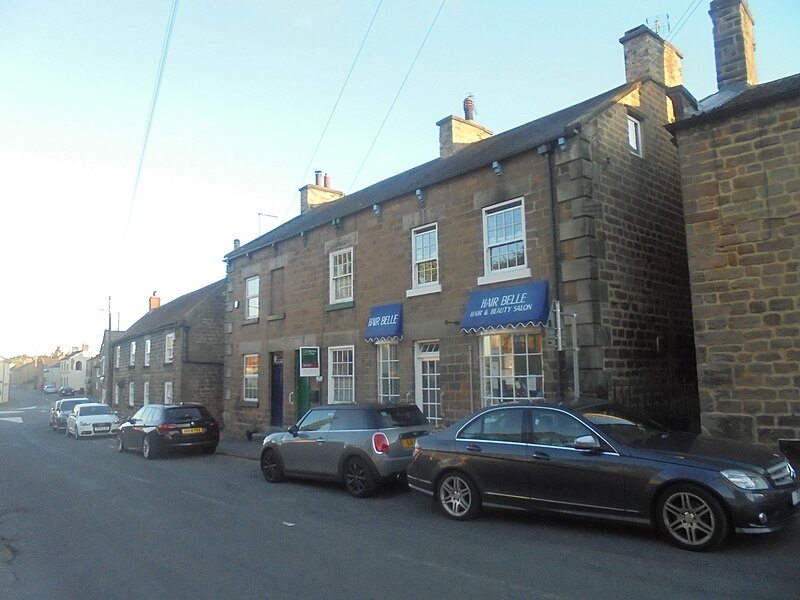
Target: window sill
(253, 403)
(422, 291)
(509, 275)
(339, 306)
(276, 317)
(247, 322)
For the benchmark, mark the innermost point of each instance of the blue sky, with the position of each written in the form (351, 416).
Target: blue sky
(246, 93)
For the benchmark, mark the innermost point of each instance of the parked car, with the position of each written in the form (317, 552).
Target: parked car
(61, 409)
(362, 445)
(66, 390)
(156, 428)
(602, 461)
(49, 388)
(92, 419)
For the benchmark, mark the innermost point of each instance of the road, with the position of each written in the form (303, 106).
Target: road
(80, 520)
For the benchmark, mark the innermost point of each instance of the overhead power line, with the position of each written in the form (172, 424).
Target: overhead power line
(153, 102)
(684, 18)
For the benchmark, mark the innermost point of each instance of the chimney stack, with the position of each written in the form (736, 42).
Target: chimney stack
(317, 177)
(649, 56)
(155, 302)
(456, 133)
(318, 193)
(734, 45)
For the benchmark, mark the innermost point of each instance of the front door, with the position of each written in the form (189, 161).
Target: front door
(427, 391)
(276, 389)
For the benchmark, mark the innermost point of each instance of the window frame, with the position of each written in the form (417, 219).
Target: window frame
(335, 391)
(146, 393)
(502, 378)
(132, 355)
(635, 141)
(388, 362)
(520, 271)
(334, 279)
(250, 380)
(168, 396)
(147, 348)
(169, 347)
(417, 234)
(116, 356)
(131, 393)
(251, 297)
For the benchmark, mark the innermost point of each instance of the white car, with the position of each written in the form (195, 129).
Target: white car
(88, 420)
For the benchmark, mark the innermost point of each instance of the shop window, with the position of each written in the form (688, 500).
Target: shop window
(341, 376)
(511, 367)
(388, 373)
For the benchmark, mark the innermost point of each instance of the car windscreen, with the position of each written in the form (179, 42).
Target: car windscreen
(68, 405)
(400, 416)
(184, 414)
(95, 410)
(622, 424)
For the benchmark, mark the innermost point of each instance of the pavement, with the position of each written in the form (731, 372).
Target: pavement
(236, 446)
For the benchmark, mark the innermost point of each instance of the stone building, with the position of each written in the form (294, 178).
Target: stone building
(435, 286)
(740, 168)
(172, 354)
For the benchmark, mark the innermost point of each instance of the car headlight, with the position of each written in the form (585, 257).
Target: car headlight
(83, 423)
(745, 479)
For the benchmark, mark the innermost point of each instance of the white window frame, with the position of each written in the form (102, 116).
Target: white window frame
(251, 295)
(131, 393)
(418, 234)
(169, 347)
(490, 214)
(168, 392)
(116, 356)
(250, 379)
(427, 380)
(145, 393)
(341, 374)
(511, 367)
(147, 345)
(388, 361)
(340, 274)
(116, 394)
(132, 356)
(635, 136)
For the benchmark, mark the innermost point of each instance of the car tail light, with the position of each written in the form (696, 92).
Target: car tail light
(417, 450)
(380, 442)
(167, 427)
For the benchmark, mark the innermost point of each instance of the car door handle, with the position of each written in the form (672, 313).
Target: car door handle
(540, 455)
(473, 448)
(320, 440)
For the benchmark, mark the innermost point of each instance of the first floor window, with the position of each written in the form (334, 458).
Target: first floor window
(147, 352)
(146, 393)
(131, 393)
(250, 384)
(167, 392)
(116, 394)
(505, 254)
(511, 367)
(635, 136)
(425, 257)
(116, 357)
(341, 276)
(132, 357)
(251, 298)
(169, 347)
(340, 375)
(388, 373)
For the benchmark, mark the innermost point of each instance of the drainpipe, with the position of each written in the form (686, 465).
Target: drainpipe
(548, 150)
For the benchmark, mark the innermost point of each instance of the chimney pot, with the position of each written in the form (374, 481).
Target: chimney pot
(327, 181)
(318, 177)
(154, 303)
(469, 108)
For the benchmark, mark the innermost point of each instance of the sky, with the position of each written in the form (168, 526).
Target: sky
(254, 96)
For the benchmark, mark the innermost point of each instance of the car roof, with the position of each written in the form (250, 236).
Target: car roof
(362, 406)
(94, 404)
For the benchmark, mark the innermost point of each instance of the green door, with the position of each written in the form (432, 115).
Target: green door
(302, 386)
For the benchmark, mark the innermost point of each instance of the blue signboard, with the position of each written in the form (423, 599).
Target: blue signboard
(385, 323)
(501, 308)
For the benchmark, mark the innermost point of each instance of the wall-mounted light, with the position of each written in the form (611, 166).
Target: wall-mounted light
(497, 168)
(562, 143)
(420, 196)
(235, 304)
(337, 223)
(376, 208)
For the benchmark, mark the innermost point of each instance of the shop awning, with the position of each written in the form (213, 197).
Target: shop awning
(501, 308)
(385, 323)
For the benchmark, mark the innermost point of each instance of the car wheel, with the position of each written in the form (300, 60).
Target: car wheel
(358, 478)
(120, 443)
(692, 518)
(148, 451)
(458, 496)
(271, 466)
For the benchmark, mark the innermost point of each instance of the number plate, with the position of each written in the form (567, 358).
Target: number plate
(795, 497)
(192, 430)
(101, 428)
(409, 443)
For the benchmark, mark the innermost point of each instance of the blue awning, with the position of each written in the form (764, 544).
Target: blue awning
(501, 308)
(385, 323)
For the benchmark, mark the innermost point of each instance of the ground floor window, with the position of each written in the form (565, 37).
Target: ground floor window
(131, 393)
(146, 392)
(341, 375)
(511, 367)
(250, 384)
(428, 392)
(388, 373)
(167, 392)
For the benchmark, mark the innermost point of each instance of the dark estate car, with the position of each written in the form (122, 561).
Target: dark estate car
(157, 428)
(66, 390)
(359, 444)
(602, 461)
(61, 410)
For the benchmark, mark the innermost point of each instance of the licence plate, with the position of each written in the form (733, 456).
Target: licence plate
(192, 430)
(101, 428)
(795, 497)
(409, 443)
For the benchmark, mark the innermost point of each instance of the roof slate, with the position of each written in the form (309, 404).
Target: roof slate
(497, 147)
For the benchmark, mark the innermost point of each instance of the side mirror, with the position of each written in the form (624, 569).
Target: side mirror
(587, 442)
(293, 430)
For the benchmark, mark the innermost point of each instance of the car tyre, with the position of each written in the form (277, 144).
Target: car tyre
(692, 518)
(358, 478)
(458, 496)
(271, 467)
(120, 444)
(148, 449)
